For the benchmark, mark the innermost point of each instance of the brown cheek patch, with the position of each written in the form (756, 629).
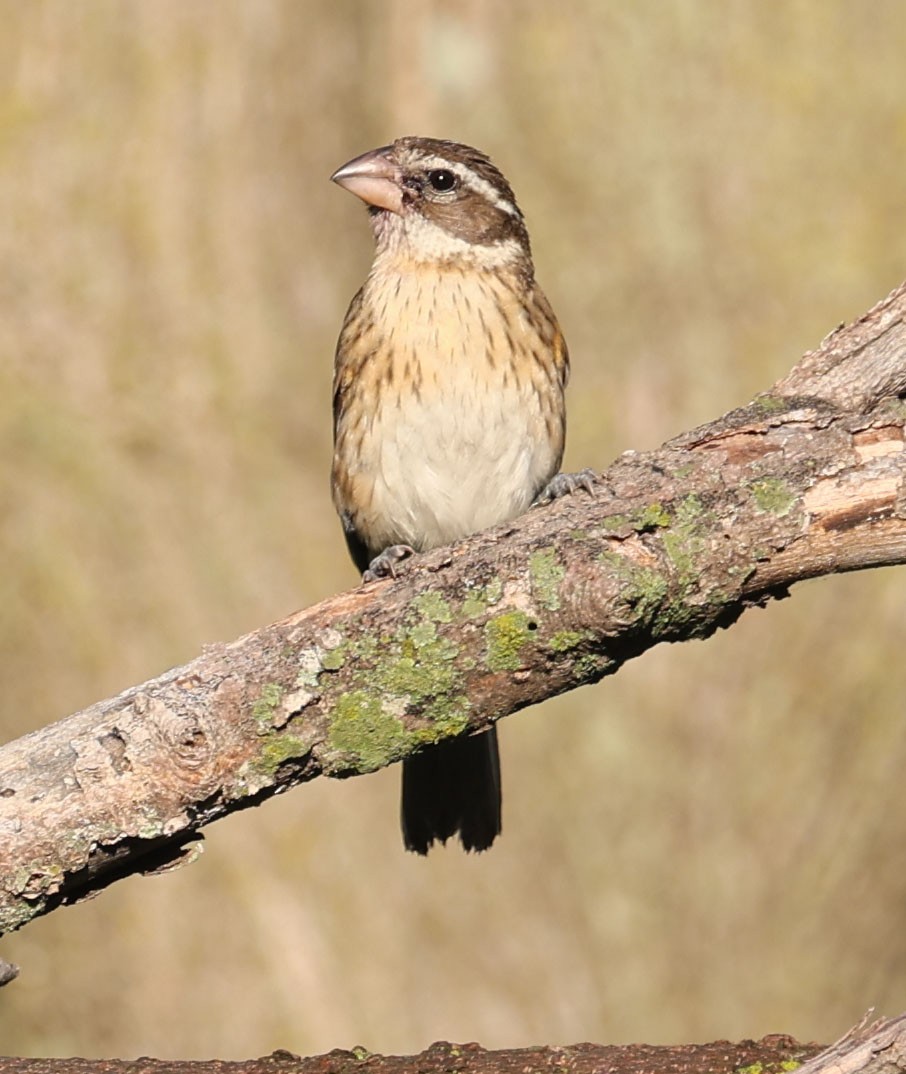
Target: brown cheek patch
(471, 218)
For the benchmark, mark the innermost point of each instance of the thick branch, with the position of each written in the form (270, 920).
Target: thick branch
(809, 479)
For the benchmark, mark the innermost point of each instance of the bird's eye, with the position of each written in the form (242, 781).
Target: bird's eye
(441, 180)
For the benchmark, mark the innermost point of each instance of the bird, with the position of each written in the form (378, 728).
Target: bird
(449, 409)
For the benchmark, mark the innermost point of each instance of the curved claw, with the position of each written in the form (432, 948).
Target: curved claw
(566, 484)
(384, 565)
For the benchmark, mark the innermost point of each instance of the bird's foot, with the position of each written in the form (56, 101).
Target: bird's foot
(566, 484)
(384, 565)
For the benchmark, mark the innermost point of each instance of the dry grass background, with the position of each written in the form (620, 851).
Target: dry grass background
(713, 844)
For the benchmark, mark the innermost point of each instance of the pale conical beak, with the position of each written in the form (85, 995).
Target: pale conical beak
(373, 177)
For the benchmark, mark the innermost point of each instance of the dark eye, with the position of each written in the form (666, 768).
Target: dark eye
(441, 180)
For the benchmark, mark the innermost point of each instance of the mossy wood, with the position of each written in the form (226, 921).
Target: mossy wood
(808, 479)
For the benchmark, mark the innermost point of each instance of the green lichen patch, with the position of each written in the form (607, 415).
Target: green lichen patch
(279, 749)
(421, 635)
(648, 593)
(770, 404)
(494, 591)
(896, 408)
(474, 606)
(448, 715)
(683, 540)
(481, 598)
(414, 670)
(334, 659)
(616, 523)
(785, 1065)
(773, 496)
(265, 708)
(36, 883)
(365, 733)
(505, 635)
(261, 770)
(420, 666)
(416, 660)
(565, 640)
(652, 517)
(644, 589)
(433, 606)
(546, 575)
(590, 667)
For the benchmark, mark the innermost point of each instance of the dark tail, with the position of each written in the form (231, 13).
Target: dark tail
(453, 787)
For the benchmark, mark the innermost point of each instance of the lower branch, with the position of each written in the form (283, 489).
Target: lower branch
(869, 1048)
(776, 1053)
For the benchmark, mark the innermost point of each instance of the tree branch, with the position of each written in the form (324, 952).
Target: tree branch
(871, 1047)
(807, 480)
(775, 1053)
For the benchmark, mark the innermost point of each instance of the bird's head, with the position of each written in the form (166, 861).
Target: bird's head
(439, 201)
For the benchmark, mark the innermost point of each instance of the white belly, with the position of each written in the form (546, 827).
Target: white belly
(456, 465)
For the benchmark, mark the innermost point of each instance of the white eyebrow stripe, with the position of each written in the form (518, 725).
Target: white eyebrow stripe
(474, 182)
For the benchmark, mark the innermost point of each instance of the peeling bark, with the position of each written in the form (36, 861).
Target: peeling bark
(809, 479)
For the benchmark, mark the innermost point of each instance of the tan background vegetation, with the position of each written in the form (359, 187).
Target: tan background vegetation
(713, 844)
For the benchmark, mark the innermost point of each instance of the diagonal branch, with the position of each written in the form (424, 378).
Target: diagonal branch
(809, 479)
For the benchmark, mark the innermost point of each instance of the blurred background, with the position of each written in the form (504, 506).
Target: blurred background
(713, 843)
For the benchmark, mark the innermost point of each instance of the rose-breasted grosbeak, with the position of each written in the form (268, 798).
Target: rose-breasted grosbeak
(448, 408)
